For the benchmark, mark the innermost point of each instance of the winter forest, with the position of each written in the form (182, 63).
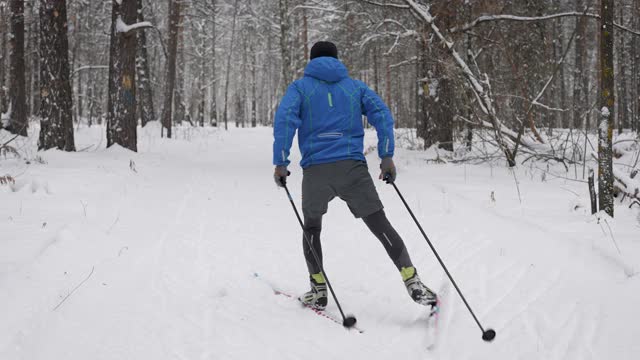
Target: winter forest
(136, 189)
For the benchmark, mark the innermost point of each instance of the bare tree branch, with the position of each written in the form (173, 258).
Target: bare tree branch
(506, 17)
(391, 5)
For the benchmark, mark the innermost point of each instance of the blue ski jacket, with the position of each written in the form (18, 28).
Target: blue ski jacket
(326, 108)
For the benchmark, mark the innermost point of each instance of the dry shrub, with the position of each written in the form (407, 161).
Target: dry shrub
(7, 180)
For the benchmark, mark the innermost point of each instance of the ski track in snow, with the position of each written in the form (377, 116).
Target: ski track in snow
(175, 245)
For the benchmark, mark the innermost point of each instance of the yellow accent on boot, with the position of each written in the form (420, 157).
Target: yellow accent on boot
(318, 278)
(407, 272)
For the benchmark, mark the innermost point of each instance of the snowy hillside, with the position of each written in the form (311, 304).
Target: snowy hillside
(109, 254)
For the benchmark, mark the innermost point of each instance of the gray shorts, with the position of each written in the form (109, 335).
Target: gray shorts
(348, 179)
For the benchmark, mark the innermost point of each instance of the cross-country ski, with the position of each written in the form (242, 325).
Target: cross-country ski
(321, 312)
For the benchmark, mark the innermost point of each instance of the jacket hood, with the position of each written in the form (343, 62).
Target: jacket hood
(326, 69)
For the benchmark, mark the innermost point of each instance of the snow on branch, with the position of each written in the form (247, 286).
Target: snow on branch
(547, 107)
(409, 33)
(410, 61)
(315, 8)
(626, 184)
(623, 182)
(121, 27)
(505, 17)
(391, 5)
(89, 67)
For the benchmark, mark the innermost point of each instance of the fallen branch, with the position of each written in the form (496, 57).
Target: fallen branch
(625, 184)
(74, 289)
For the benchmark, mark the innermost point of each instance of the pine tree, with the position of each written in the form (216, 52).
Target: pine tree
(56, 124)
(121, 115)
(143, 74)
(18, 106)
(167, 110)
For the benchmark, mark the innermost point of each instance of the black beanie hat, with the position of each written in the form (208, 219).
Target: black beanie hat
(324, 48)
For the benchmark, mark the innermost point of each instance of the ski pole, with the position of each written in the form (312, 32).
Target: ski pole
(487, 335)
(349, 320)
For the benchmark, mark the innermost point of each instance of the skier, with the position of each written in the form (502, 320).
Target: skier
(326, 108)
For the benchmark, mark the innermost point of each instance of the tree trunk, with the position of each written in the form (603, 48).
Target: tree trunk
(607, 106)
(438, 98)
(387, 81)
(3, 57)
(213, 114)
(226, 83)
(56, 129)
(202, 89)
(17, 90)
(179, 108)
(564, 117)
(285, 52)
(622, 115)
(579, 103)
(269, 87)
(376, 70)
(240, 93)
(35, 65)
(81, 96)
(121, 108)
(143, 75)
(636, 63)
(90, 100)
(75, 41)
(238, 99)
(305, 35)
(174, 19)
(254, 85)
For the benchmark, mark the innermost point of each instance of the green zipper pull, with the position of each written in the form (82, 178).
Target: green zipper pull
(330, 99)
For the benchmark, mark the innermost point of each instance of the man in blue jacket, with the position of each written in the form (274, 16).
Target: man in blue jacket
(326, 108)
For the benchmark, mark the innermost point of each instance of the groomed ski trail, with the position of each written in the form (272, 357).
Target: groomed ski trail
(175, 243)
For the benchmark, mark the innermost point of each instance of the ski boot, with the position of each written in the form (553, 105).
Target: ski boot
(418, 291)
(316, 298)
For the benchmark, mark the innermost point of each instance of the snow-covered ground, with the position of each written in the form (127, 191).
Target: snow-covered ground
(108, 254)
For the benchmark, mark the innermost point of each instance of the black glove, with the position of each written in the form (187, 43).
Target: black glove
(388, 170)
(280, 175)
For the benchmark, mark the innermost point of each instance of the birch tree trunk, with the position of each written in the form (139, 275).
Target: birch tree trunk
(56, 126)
(607, 106)
(121, 108)
(18, 105)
